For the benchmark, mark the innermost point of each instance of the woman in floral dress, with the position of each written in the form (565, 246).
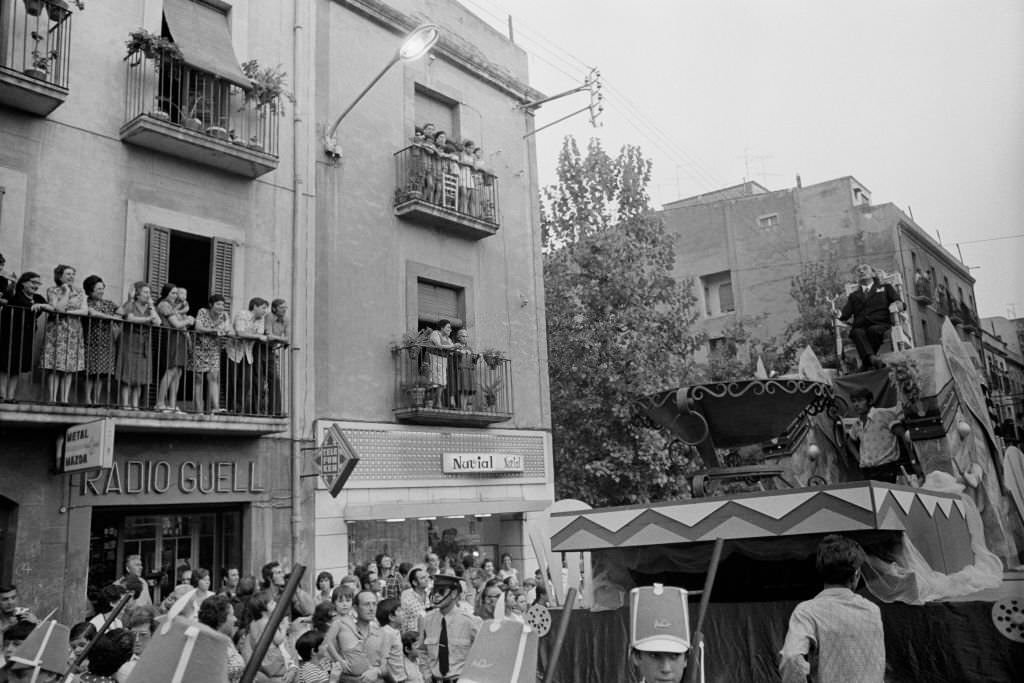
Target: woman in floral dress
(63, 343)
(172, 347)
(212, 324)
(100, 334)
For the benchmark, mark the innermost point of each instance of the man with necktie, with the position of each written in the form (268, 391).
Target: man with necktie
(869, 310)
(446, 633)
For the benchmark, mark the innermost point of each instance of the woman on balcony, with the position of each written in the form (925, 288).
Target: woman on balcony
(440, 339)
(17, 326)
(212, 324)
(465, 375)
(133, 359)
(63, 343)
(173, 347)
(100, 335)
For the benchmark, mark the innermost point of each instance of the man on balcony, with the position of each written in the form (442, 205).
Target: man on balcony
(868, 309)
(247, 360)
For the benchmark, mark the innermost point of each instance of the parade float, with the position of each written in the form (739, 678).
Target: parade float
(780, 473)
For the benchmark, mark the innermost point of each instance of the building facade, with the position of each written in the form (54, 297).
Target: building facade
(175, 160)
(1004, 369)
(743, 245)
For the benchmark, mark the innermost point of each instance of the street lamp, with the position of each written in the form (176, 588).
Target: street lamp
(415, 45)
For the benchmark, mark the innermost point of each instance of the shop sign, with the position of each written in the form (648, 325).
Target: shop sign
(88, 446)
(335, 459)
(480, 463)
(188, 477)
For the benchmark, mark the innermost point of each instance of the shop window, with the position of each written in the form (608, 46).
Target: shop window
(437, 301)
(203, 265)
(769, 221)
(718, 295)
(433, 107)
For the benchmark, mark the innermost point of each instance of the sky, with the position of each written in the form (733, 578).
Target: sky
(921, 100)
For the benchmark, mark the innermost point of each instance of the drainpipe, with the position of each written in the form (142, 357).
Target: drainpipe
(298, 270)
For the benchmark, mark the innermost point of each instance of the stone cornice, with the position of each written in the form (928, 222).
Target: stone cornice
(450, 47)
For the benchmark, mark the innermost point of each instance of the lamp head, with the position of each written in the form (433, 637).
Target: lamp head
(419, 42)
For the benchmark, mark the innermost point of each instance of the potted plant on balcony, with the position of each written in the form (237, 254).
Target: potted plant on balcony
(33, 7)
(268, 85)
(493, 357)
(151, 46)
(490, 390)
(58, 10)
(41, 59)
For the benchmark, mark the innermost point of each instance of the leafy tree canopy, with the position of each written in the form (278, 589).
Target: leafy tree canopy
(618, 328)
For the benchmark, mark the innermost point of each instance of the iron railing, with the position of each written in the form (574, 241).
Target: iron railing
(452, 380)
(168, 89)
(39, 44)
(88, 361)
(423, 174)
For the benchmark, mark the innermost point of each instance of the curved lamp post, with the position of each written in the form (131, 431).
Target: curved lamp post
(415, 45)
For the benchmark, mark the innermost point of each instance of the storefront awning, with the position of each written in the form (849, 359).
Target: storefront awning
(443, 509)
(202, 35)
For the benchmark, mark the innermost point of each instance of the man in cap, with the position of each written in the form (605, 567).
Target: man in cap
(446, 633)
(868, 308)
(659, 632)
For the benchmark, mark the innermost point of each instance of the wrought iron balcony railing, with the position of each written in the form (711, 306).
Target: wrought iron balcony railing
(35, 54)
(59, 359)
(438, 190)
(451, 386)
(175, 108)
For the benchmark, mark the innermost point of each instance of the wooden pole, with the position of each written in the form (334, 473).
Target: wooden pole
(694, 662)
(284, 605)
(563, 627)
(69, 672)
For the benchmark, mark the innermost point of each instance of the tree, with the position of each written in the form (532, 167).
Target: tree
(618, 328)
(814, 290)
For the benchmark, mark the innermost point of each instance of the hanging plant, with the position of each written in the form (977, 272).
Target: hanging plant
(151, 45)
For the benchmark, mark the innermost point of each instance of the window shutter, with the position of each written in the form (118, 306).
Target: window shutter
(437, 302)
(725, 300)
(158, 255)
(222, 266)
(441, 114)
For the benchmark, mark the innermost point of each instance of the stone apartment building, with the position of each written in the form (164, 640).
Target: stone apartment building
(1003, 356)
(163, 164)
(744, 244)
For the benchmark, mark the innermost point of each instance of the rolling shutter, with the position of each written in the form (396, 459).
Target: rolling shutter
(222, 266)
(158, 254)
(441, 114)
(437, 302)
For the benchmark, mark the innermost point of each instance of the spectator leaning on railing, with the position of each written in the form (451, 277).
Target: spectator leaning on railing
(17, 326)
(63, 348)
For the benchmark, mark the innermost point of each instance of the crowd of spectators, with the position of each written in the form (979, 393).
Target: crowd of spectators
(367, 627)
(435, 158)
(120, 351)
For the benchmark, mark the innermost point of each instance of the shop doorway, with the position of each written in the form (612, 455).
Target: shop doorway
(168, 540)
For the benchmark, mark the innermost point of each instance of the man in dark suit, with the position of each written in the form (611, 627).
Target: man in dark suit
(868, 310)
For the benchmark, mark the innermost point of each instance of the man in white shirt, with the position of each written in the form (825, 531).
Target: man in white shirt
(838, 633)
(247, 360)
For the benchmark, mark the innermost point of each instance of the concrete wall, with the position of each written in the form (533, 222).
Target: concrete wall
(364, 253)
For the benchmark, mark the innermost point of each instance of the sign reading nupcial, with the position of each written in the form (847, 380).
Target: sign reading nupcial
(480, 463)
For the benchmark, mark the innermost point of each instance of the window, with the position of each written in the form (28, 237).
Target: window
(716, 344)
(769, 221)
(436, 301)
(203, 265)
(718, 295)
(433, 107)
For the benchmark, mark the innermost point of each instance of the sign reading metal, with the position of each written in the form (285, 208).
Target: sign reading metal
(335, 460)
(480, 463)
(88, 446)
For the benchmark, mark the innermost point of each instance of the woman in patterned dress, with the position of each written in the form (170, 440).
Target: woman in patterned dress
(63, 344)
(134, 367)
(212, 324)
(100, 334)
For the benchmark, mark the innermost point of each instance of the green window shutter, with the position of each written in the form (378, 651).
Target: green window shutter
(222, 266)
(158, 254)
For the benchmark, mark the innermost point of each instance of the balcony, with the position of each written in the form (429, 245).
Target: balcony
(443, 193)
(173, 108)
(451, 387)
(66, 369)
(35, 51)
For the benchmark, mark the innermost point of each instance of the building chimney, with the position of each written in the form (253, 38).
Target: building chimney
(799, 183)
